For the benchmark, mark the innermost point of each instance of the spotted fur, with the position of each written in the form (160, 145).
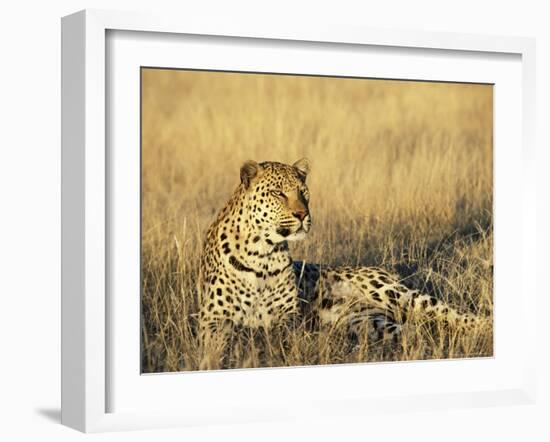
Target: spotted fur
(248, 277)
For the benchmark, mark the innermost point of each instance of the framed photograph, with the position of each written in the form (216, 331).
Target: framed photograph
(262, 222)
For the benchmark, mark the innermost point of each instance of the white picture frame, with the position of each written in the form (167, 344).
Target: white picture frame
(86, 202)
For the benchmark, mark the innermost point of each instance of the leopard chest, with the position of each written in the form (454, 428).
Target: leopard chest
(268, 302)
(254, 292)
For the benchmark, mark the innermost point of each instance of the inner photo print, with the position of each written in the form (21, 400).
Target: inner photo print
(291, 220)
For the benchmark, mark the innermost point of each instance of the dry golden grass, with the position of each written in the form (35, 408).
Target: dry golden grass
(401, 178)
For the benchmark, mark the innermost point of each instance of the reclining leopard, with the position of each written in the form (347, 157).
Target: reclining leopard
(248, 277)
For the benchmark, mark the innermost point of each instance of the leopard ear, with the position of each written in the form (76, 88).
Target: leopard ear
(302, 165)
(248, 171)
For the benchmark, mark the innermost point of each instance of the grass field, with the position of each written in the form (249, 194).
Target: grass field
(401, 178)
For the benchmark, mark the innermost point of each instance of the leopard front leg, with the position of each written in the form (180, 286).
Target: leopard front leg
(214, 335)
(214, 330)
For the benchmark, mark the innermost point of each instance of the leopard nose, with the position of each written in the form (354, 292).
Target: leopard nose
(300, 214)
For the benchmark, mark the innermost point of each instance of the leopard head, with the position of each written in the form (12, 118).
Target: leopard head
(277, 199)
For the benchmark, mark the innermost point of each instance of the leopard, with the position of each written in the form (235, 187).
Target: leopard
(248, 277)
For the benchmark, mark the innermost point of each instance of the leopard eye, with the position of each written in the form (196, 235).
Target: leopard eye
(279, 193)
